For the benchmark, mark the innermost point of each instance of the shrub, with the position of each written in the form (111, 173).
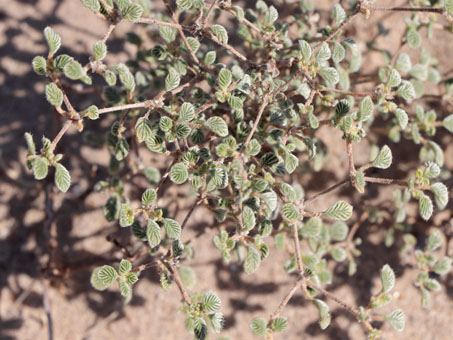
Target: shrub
(239, 124)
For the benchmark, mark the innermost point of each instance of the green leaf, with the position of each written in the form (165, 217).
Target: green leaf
(124, 267)
(338, 14)
(217, 322)
(211, 302)
(425, 207)
(312, 228)
(432, 285)
(39, 65)
(143, 130)
(184, 4)
(252, 260)
(179, 173)
(92, 112)
(440, 191)
(99, 50)
(133, 12)
(279, 324)
(258, 326)
(290, 212)
(188, 277)
(126, 215)
(30, 143)
(414, 40)
(53, 40)
(323, 53)
(73, 70)
(40, 167)
(126, 77)
(149, 197)
(248, 218)
(221, 33)
(403, 63)
(168, 33)
(305, 50)
(193, 43)
(172, 80)
(253, 148)
(93, 5)
(443, 266)
(61, 61)
(62, 178)
(396, 319)
(338, 231)
(96, 283)
(434, 241)
(270, 17)
(387, 278)
(291, 162)
(401, 117)
(394, 78)
(330, 74)
(121, 149)
(366, 109)
(341, 210)
(172, 228)
(448, 122)
(54, 95)
(324, 313)
(218, 126)
(406, 91)
(269, 159)
(125, 288)
(384, 158)
(432, 170)
(165, 123)
(153, 233)
(338, 254)
(107, 275)
(224, 79)
(186, 113)
(182, 130)
(338, 53)
(209, 58)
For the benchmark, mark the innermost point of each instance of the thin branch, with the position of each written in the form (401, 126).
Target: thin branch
(399, 182)
(285, 301)
(157, 22)
(145, 266)
(60, 134)
(204, 20)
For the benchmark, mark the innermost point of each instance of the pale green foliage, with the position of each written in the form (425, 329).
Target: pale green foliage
(62, 178)
(339, 211)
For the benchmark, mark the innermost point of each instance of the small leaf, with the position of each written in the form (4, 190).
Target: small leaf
(323, 53)
(338, 53)
(248, 218)
(443, 266)
(30, 143)
(218, 126)
(124, 267)
(258, 326)
(126, 215)
(172, 80)
(92, 112)
(107, 275)
(96, 283)
(338, 231)
(324, 313)
(220, 32)
(39, 65)
(149, 197)
(125, 288)
(396, 319)
(209, 58)
(279, 324)
(290, 212)
(341, 210)
(40, 167)
(440, 191)
(291, 162)
(305, 50)
(153, 233)
(99, 50)
(434, 241)
(384, 158)
(133, 12)
(62, 178)
(401, 117)
(394, 78)
(54, 95)
(143, 130)
(168, 33)
(73, 70)
(403, 63)
(425, 207)
(387, 278)
(211, 302)
(172, 228)
(179, 173)
(93, 5)
(366, 109)
(186, 112)
(252, 260)
(330, 74)
(224, 78)
(414, 40)
(53, 40)
(406, 91)
(448, 122)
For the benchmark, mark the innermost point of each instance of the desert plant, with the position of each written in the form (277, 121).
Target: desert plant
(239, 125)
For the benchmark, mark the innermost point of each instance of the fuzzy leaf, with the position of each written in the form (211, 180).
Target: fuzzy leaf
(143, 129)
(124, 267)
(279, 324)
(40, 167)
(153, 233)
(172, 228)
(93, 5)
(401, 117)
(387, 278)
(53, 40)
(425, 207)
(248, 218)
(396, 319)
(366, 109)
(209, 58)
(443, 266)
(258, 326)
(54, 95)
(440, 191)
(338, 231)
(179, 173)
(211, 302)
(62, 178)
(39, 65)
(99, 50)
(305, 50)
(107, 275)
(448, 122)
(73, 70)
(132, 12)
(220, 32)
(224, 78)
(341, 210)
(96, 283)
(290, 212)
(218, 126)
(149, 197)
(172, 80)
(384, 158)
(252, 260)
(434, 241)
(186, 112)
(324, 313)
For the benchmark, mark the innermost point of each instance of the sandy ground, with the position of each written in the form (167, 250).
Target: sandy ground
(79, 312)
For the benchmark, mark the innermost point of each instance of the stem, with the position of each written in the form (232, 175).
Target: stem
(285, 301)
(350, 93)
(204, 20)
(178, 281)
(145, 266)
(60, 134)
(157, 22)
(399, 182)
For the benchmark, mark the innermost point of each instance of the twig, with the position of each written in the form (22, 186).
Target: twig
(47, 310)
(285, 301)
